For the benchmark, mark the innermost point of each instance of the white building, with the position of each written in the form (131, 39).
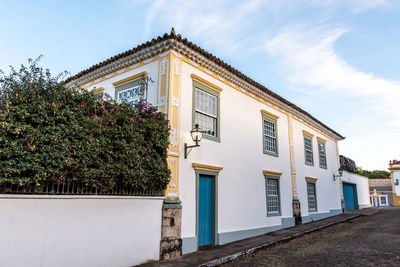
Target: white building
(394, 167)
(355, 191)
(262, 164)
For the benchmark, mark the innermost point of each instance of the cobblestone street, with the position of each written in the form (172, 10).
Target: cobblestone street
(364, 241)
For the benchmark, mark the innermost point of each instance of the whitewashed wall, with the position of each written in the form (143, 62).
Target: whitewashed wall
(362, 185)
(79, 231)
(241, 184)
(327, 190)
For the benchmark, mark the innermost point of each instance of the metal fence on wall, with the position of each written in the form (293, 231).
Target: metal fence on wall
(73, 188)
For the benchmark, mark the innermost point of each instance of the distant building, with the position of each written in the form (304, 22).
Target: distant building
(394, 167)
(381, 192)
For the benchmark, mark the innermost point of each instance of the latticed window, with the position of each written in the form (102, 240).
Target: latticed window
(206, 112)
(270, 142)
(131, 95)
(308, 150)
(311, 196)
(322, 154)
(273, 204)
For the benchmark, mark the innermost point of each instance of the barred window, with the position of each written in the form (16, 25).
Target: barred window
(273, 198)
(206, 112)
(308, 150)
(311, 196)
(131, 95)
(322, 155)
(269, 134)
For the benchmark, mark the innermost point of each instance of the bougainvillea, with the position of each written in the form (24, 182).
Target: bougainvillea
(347, 164)
(53, 134)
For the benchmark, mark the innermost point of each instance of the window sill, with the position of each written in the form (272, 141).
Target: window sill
(212, 138)
(271, 153)
(274, 214)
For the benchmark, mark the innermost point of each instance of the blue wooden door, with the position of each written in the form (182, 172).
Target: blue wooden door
(349, 196)
(205, 224)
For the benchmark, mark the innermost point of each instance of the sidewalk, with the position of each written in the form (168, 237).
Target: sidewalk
(228, 252)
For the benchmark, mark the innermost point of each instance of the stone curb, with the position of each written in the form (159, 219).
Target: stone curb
(250, 251)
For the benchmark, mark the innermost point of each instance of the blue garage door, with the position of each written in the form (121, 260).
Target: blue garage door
(349, 196)
(205, 210)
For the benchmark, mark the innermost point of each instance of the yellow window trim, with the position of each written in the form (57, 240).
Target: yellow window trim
(97, 90)
(206, 83)
(308, 133)
(205, 167)
(321, 139)
(272, 173)
(268, 114)
(130, 79)
(311, 179)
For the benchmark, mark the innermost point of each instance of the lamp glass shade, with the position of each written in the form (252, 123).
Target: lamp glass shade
(196, 133)
(340, 171)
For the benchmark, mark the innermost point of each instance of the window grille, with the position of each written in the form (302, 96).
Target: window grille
(312, 197)
(308, 150)
(273, 204)
(322, 155)
(206, 111)
(131, 95)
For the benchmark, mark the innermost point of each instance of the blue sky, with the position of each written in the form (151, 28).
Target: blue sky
(337, 59)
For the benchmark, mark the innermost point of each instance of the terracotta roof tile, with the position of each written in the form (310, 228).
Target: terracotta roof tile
(207, 55)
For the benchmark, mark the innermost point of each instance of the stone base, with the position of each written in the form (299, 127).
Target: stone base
(171, 241)
(343, 205)
(296, 211)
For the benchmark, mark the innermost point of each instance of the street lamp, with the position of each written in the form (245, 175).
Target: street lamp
(335, 176)
(196, 134)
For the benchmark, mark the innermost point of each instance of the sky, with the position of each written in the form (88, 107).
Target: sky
(337, 59)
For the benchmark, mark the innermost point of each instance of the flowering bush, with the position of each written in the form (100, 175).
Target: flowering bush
(53, 134)
(347, 164)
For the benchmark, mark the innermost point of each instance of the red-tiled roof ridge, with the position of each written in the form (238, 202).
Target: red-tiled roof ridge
(218, 61)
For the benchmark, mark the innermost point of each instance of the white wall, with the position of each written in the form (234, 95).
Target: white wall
(241, 184)
(396, 175)
(79, 230)
(362, 185)
(327, 190)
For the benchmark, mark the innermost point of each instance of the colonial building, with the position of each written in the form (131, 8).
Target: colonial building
(394, 168)
(262, 164)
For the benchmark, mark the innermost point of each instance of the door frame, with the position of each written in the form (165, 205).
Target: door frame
(356, 206)
(214, 240)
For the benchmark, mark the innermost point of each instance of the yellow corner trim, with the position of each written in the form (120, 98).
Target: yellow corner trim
(311, 179)
(308, 133)
(97, 90)
(272, 173)
(268, 114)
(130, 79)
(206, 83)
(205, 167)
(321, 139)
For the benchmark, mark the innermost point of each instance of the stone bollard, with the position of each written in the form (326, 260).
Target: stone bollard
(171, 241)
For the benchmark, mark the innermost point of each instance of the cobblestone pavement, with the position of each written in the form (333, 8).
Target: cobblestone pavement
(364, 241)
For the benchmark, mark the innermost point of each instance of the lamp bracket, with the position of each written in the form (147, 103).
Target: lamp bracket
(188, 149)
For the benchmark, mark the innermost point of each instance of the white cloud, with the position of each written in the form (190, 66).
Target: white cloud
(312, 62)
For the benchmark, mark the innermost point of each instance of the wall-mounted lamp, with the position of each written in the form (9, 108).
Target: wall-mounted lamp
(196, 134)
(335, 176)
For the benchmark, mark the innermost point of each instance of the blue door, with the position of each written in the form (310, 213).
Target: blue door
(349, 196)
(205, 225)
